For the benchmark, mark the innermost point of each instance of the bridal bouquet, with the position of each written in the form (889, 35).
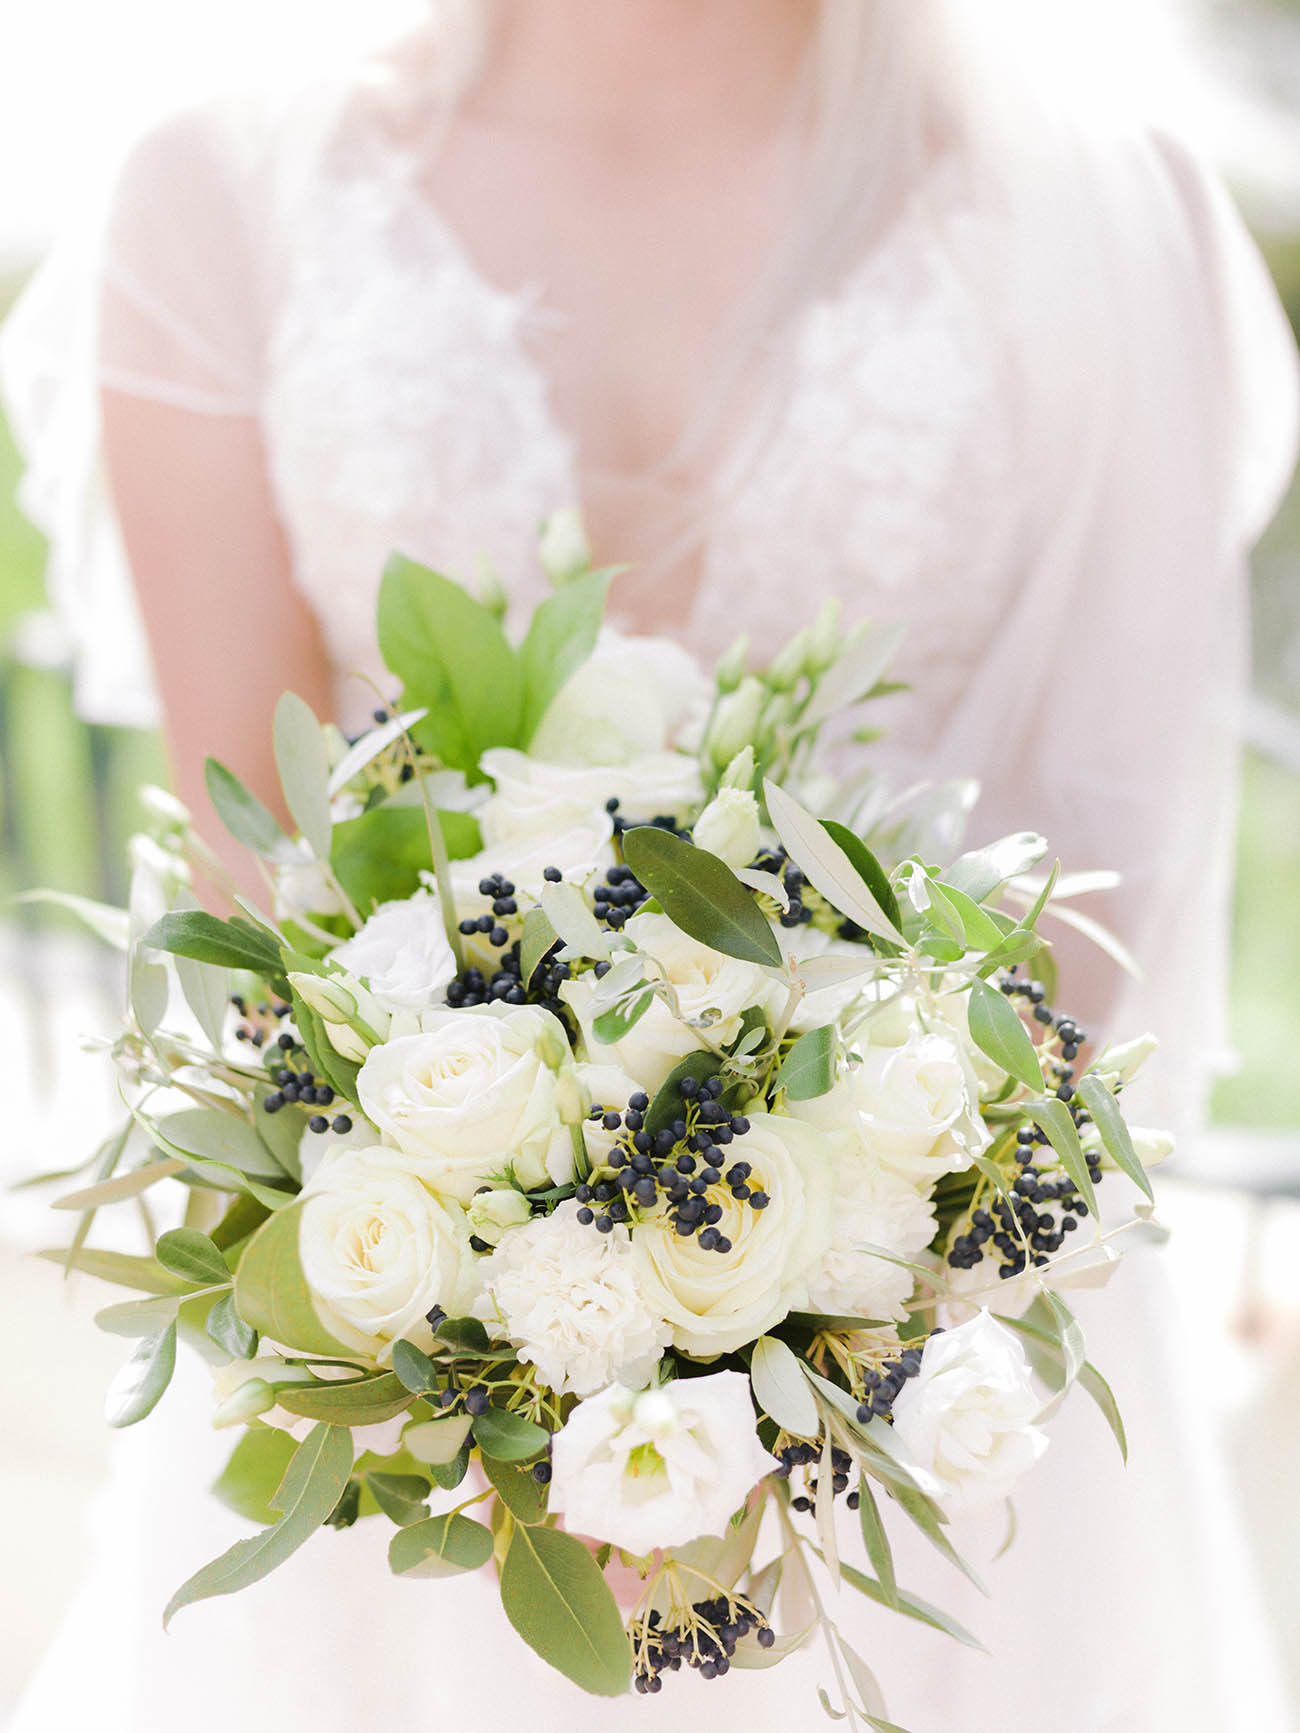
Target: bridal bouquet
(599, 1163)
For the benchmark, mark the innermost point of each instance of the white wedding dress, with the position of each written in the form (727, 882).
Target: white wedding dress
(1041, 430)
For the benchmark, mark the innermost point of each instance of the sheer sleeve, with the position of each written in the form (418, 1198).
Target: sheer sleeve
(158, 297)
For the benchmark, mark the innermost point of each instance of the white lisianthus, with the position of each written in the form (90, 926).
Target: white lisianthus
(631, 697)
(915, 1108)
(570, 1301)
(474, 1092)
(718, 1301)
(658, 1468)
(728, 827)
(1128, 1059)
(870, 1206)
(378, 1250)
(966, 1420)
(401, 953)
(494, 1210)
(713, 991)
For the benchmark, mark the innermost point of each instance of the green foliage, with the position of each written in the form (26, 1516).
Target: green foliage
(440, 1546)
(522, 1496)
(868, 868)
(666, 1104)
(998, 1032)
(244, 816)
(827, 867)
(379, 856)
(808, 1069)
(701, 895)
(313, 1484)
(303, 761)
(351, 1402)
(192, 1255)
(256, 1468)
(509, 1437)
(560, 638)
(232, 944)
(271, 1291)
(137, 1388)
(556, 1598)
(228, 1330)
(782, 1390)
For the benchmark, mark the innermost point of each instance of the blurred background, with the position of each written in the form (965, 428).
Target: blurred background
(76, 81)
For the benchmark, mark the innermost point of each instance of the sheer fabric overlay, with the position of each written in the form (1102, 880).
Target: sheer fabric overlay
(1041, 423)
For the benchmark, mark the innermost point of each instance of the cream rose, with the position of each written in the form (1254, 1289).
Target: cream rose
(402, 954)
(378, 1250)
(966, 1419)
(660, 1467)
(713, 992)
(476, 1091)
(632, 697)
(716, 1301)
(914, 1107)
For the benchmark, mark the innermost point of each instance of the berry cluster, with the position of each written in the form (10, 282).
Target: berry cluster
(257, 1025)
(882, 1384)
(505, 984)
(618, 896)
(705, 1638)
(777, 862)
(792, 1456)
(302, 1087)
(663, 821)
(501, 892)
(680, 1167)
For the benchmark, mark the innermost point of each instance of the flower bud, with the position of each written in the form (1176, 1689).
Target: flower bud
(788, 664)
(354, 1019)
(825, 637)
(740, 772)
(735, 722)
(253, 1397)
(1127, 1060)
(491, 1213)
(488, 587)
(730, 670)
(728, 826)
(163, 806)
(563, 547)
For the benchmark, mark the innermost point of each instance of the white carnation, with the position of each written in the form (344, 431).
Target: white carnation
(402, 954)
(570, 1301)
(870, 1206)
(966, 1419)
(658, 1468)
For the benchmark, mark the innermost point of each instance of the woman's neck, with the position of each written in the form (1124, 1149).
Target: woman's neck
(632, 73)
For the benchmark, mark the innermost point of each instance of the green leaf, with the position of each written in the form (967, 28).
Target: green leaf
(351, 1402)
(192, 1255)
(1115, 1139)
(228, 1330)
(826, 866)
(1091, 1380)
(280, 1131)
(126, 1270)
(111, 925)
(303, 761)
(240, 1221)
(137, 1388)
(272, 1294)
(876, 1541)
(207, 993)
(509, 1437)
(782, 1390)
(147, 991)
(912, 1606)
(233, 944)
(614, 1024)
(561, 636)
(868, 868)
(378, 857)
(1053, 1118)
(256, 1467)
(463, 1336)
(313, 1483)
(123, 1186)
(998, 1032)
(517, 1490)
(228, 1138)
(448, 1475)
(139, 1317)
(414, 1369)
(539, 937)
(981, 872)
(556, 1598)
(927, 1518)
(451, 655)
(244, 816)
(440, 1546)
(437, 1442)
(808, 1069)
(979, 930)
(701, 895)
(667, 1103)
(401, 1497)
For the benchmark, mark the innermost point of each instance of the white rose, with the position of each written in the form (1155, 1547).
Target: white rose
(570, 1301)
(966, 1419)
(378, 1250)
(476, 1091)
(533, 797)
(728, 827)
(870, 1206)
(658, 1468)
(915, 1107)
(713, 992)
(631, 697)
(401, 953)
(717, 1301)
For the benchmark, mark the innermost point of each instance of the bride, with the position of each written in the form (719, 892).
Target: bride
(796, 300)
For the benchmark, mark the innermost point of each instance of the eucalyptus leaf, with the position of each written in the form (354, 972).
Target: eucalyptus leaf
(315, 1480)
(350, 1402)
(137, 1388)
(303, 762)
(139, 1317)
(124, 1185)
(244, 816)
(271, 1291)
(782, 1390)
(207, 993)
(1114, 1133)
(124, 1268)
(509, 1437)
(808, 1069)
(437, 1442)
(826, 866)
(554, 1595)
(402, 1497)
(413, 1367)
(192, 1255)
(701, 895)
(228, 1138)
(440, 1546)
(998, 1032)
